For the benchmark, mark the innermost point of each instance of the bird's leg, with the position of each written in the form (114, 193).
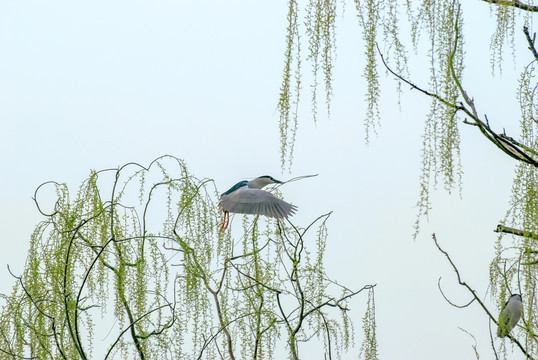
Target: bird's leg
(221, 229)
(225, 221)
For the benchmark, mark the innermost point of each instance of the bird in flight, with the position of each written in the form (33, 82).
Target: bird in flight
(247, 197)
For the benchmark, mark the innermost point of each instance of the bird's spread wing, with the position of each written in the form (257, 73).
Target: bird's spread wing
(256, 201)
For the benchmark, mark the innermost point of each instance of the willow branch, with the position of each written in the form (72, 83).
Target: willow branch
(507, 144)
(165, 326)
(190, 256)
(74, 333)
(416, 87)
(504, 143)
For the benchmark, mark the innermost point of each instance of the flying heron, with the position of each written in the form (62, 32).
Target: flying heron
(247, 197)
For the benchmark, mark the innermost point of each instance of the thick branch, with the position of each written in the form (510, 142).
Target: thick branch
(509, 230)
(503, 142)
(532, 48)
(515, 3)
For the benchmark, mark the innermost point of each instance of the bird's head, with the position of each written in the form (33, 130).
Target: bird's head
(262, 181)
(515, 297)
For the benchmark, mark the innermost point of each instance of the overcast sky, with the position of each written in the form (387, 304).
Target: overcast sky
(95, 84)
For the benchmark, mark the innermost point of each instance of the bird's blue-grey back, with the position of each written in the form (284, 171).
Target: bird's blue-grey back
(235, 187)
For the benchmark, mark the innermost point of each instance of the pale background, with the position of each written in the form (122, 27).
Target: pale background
(91, 85)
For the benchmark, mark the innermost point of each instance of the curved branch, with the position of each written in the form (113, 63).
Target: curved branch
(450, 302)
(475, 296)
(34, 198)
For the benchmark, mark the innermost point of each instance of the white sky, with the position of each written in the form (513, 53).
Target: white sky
(95, 84)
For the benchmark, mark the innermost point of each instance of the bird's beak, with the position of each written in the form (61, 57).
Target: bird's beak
(278, 181)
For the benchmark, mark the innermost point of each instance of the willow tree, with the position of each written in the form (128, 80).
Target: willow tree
(134, 267)
(437, 30)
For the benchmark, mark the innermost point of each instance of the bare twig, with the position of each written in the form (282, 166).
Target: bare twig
(492, 342)
(475, 343)
(298, 178)
(450, 302)
(475, 296)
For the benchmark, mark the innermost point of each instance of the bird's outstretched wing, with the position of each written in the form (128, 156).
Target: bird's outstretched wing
(256, 201)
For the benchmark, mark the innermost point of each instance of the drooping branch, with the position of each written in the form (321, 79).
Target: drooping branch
(507, 144)
(502, 142)
(94, 253)
(135, 321)
(73, 330)
(191, 257)
(35, 304)
(416, 87)
(296, 318)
